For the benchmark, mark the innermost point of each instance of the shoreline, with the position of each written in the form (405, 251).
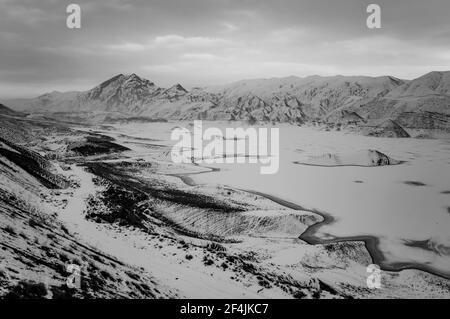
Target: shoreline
(370, 242)
(309, 235)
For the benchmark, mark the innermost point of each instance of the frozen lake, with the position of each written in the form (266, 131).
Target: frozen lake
(405, 206)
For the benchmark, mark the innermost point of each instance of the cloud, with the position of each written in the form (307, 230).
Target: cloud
(229, 27)
(174, 40)
(159, 43)
(200, 56)
(200, 42)
(128, 47)
(20, 12)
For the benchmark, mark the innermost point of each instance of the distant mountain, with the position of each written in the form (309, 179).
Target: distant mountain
(420, 103)
(125, 94)
(299, 99)
(437, 83)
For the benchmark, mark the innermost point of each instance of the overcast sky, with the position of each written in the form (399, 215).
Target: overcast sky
(205, 42)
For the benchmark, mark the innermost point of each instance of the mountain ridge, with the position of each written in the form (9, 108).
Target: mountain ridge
(4, 110)
(423, 102)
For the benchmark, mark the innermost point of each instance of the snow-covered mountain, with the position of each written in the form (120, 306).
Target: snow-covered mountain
(420, 103)
(430, 83)
(122, 93)
(299, 99)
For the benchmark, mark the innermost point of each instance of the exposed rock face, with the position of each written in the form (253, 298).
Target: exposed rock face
(379, 159)
(430, 83)
(421, 103)
(388, 128)
(122, 93)
(174, 93)
(367, 158)
(346, 117)
(296, 99)
(424, 120)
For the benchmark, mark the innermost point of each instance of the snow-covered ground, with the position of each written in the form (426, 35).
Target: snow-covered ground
(166, 261)
(405, 206)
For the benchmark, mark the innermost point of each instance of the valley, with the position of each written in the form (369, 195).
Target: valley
(217, 236)
(87, 179)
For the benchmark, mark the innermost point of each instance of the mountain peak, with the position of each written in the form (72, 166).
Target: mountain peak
(120, 80)
(178, 87)
(122, 92)
(133, 76)
(137, 80)
(174, 92)
(114, 79)
(435, 82)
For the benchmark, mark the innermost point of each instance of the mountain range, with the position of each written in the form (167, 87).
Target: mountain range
(422, 103)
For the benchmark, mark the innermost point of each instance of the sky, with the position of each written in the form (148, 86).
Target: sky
(210, 42)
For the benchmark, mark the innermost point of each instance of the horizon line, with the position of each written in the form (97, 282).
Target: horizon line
(49, 91)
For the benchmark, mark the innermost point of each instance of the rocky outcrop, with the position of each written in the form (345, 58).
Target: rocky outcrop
(366, 158)
(388, 128)
(424, 120)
